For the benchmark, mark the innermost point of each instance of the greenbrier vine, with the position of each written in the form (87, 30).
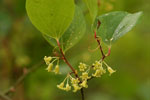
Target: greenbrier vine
(84, 72)
(62, 23)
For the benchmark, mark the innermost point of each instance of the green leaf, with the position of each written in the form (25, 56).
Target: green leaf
(116, 24)
(73, 34)
(93, 8)
(51, 17)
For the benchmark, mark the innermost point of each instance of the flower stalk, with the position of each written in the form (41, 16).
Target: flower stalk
(70, 66)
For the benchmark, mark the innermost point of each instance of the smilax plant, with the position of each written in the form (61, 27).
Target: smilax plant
(62, 24)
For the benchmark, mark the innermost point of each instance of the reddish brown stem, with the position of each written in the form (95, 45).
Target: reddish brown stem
(99, 43)
(65, 60)
(100, 47)
(109, 51)
(73, 70)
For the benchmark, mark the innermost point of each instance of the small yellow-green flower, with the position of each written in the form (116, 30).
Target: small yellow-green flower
(99, 72)
(61, 86)
(82, 66)
(85, 76)
(56, 70)
(110, 70)
(84, 84)
(74, 80)
(97, 65)
(76, 87)
(47, 60)
(50, 67)
(68, 87)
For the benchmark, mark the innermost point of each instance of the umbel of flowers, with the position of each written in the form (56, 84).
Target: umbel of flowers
(86, 73)
(49, 61)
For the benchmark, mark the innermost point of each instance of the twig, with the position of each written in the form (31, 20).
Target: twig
(100, 47)
(4, 97)
(109, 51)
(99, 43)
(70, 66)
(66, 61)
(21, 79)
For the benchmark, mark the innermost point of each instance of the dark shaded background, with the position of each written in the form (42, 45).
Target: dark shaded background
(22, 46)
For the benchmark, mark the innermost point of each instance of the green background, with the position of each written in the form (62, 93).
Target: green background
(22, 46)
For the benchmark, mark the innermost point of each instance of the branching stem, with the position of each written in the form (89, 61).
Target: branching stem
(100, 47)
(99, 43)
(70, 66)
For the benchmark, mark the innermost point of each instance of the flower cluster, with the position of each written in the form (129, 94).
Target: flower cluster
(50, 62)
(62, 87)
(82, 67)
(81, 82)
(99, 70)
(75, 83)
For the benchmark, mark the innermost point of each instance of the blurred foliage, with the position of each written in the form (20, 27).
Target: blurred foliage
(5, 24)
(21, 45)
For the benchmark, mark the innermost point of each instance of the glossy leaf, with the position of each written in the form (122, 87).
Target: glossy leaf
(116, 24)
(51, 17)
(73, 34)
(93, 8)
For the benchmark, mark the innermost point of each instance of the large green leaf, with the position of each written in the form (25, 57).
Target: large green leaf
(51, 17)
(116, 24)
(73, 34)
(93, 8)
